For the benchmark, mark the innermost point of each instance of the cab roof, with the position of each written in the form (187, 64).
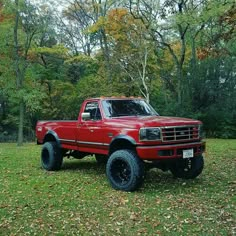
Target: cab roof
(115, 98)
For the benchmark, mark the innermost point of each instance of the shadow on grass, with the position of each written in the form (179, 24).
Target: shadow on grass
(154, 178)
(165, 180)
(85, 165)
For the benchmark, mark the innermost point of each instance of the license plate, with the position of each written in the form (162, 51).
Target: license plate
(188, 153)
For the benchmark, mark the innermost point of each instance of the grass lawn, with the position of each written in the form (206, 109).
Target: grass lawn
(78, 200)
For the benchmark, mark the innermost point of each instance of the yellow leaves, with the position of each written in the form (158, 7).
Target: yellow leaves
(121, 25)
(114, 21)
(101, 22)
(119, 15)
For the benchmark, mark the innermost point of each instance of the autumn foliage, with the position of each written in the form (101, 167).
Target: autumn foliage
(182, 55)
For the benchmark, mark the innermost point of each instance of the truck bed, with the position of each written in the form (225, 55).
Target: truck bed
(65, 130)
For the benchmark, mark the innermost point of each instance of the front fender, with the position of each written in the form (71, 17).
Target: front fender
(121, 142)
(124, 137)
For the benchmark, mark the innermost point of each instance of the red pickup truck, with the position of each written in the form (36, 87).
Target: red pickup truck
(127, 134)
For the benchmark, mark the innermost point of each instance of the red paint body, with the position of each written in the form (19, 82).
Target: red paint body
(96, 136)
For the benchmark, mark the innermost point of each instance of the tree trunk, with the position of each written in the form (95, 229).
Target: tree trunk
(180, 85)
(193, 70)
(19, 76)
(21, 124)
(103, 41)
(106, 53)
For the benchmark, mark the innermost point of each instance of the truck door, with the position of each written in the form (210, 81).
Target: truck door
(90, 130)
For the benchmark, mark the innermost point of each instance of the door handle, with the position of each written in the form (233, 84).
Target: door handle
(84, 124)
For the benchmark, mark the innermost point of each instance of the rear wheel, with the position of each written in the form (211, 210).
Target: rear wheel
(125, 171)
(51, 157)
(188, 168)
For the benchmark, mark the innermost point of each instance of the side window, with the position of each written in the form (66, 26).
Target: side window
(93, 109)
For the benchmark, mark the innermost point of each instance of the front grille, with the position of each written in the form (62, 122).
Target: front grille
(180, 133)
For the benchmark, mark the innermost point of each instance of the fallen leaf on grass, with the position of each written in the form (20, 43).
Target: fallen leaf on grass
(142, 231)
(111, 214)
(156, 224)
(123, 201)
(133, 216)
(4, 206)
(120, 223)
(158, 201)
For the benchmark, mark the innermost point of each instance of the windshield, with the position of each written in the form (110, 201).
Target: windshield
(132, 107)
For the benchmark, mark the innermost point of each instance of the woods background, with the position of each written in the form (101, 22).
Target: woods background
(179, 55)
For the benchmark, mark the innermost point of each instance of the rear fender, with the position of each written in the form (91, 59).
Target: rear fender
(52, 136)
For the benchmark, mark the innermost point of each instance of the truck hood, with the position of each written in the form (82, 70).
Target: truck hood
(152, 121)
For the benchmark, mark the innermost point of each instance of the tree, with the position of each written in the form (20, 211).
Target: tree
(77, 17)
(26, 23)
(88, 17)
(6, 22)
(24, 92)
(132, 52)
(175, 22)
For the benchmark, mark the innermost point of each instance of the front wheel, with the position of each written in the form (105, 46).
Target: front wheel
(188, 168)
(125, 170)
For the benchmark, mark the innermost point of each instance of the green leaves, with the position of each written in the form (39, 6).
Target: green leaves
(58, 50)
(162, 50)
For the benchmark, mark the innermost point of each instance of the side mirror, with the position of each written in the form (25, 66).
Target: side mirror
(86, 116)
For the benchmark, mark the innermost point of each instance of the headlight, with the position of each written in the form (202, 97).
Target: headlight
(149, 134)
